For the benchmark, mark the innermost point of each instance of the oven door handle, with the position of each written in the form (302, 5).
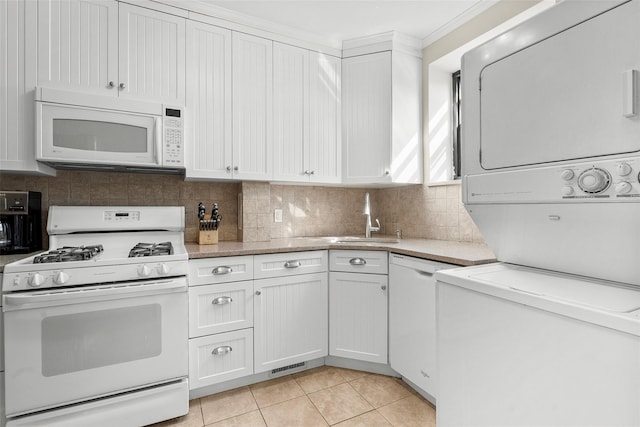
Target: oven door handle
(90, 294)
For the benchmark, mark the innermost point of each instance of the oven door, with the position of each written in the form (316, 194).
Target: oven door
(67, 346)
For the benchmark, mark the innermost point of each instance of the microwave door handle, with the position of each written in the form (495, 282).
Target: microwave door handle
(29, 300)
(158, 139)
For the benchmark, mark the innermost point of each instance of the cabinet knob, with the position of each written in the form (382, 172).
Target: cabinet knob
(228, 168)
(122, 86)
(258, 293)
(387, 173)
(112, 84)
(383, 287)
(235, 168)
(312, 172)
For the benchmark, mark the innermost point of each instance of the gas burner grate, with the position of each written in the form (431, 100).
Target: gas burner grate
(151, 249)
(69, 253)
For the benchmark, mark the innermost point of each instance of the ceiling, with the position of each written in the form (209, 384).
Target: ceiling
(334, 21)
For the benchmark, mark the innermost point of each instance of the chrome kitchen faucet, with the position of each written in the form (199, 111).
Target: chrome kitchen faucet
(367, 211)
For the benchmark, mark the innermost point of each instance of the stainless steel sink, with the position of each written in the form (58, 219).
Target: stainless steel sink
(360, 239)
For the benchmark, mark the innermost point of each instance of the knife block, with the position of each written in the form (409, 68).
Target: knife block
(207, 237)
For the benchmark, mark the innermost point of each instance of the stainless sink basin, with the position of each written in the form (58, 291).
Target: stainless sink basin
(359, 239)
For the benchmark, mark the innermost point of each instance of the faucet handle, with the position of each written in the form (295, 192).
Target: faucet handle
(376, 228)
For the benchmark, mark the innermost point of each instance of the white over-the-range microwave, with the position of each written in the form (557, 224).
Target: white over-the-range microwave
(76, 130)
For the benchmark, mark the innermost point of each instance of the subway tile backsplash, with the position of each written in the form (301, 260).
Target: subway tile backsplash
(419, 211)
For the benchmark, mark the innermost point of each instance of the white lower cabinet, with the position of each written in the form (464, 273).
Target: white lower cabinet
(220, 357)
(220, 320)
(358, 305)
(290, 312)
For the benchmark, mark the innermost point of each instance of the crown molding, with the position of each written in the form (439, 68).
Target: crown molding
(458, 21)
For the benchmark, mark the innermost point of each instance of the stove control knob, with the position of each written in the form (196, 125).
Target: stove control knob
(567, 190)
(163, 269)
(61, 278)
(36, 280)
(623, 187)
(144, 271)
(623, 169)
(567, 174)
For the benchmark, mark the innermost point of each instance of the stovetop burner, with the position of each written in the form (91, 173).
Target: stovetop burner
(151, 249)
(69, 253)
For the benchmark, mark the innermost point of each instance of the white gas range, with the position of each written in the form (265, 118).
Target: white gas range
(95, 328)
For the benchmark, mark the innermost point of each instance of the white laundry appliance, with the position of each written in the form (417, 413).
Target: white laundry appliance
(550, 336)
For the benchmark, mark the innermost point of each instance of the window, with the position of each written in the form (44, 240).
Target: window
(455, 121)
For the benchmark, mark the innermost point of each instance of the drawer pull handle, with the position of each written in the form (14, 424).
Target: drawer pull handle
(221, 300)
(223, 269)
(292, 264)
(358, 261)
(222, 350)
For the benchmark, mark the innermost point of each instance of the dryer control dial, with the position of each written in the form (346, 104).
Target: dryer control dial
(622, 187)
(567, 190)
(594, 180)
(567, 174)
(623, 169)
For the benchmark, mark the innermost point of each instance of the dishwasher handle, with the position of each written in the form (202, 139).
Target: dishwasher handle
(27, 300)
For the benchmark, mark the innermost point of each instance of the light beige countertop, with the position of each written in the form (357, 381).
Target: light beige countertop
(458, 253)
(437, 250)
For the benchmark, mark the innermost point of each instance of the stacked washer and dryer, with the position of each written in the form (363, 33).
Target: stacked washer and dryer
(550, 335)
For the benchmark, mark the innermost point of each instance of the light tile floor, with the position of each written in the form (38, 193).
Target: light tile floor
(318, 397)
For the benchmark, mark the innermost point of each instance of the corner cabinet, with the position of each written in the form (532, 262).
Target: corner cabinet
(112, 49)
(209, 151)
(290, 309)
(306, 115)
(18, 76)
(252, 108)
(382, 133)
(358, 295)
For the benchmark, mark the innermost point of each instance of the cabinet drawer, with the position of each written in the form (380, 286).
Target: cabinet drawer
(290, 263)
(221, 357)
(220, 308)
(220, 270)
(375, 262)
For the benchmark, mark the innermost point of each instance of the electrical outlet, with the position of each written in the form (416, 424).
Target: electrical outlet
(277, 215)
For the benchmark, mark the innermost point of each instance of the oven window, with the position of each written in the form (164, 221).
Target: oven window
(92, 135)
(80, 341)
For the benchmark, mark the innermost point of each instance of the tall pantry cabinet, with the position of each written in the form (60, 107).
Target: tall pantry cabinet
(17, 82)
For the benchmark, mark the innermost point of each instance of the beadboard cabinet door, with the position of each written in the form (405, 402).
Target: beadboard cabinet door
(18, 76)
(290, 112)
(252, 107)
(78, 45)
(151, 55)
(358, 316)
(209, 153)
(290, 320)
(324, 150)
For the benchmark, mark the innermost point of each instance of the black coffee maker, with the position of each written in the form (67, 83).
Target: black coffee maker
(20, 222)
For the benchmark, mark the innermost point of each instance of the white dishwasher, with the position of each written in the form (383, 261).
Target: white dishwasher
(412, 320)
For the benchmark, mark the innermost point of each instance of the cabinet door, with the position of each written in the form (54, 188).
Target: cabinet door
(252, 107)
(151, 55)
(78, 45)
(358, 316)
(18, 25)
(209, 151)
(366, 113)
(290, 320)
(290, 112)
(323, 151)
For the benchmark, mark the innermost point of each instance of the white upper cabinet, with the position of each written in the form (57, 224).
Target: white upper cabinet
(17, 81)
(209, 148)
(78, 44)
(151, 54)
(111, 48)
(252, 107)
(382, 135)
(306, 109)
